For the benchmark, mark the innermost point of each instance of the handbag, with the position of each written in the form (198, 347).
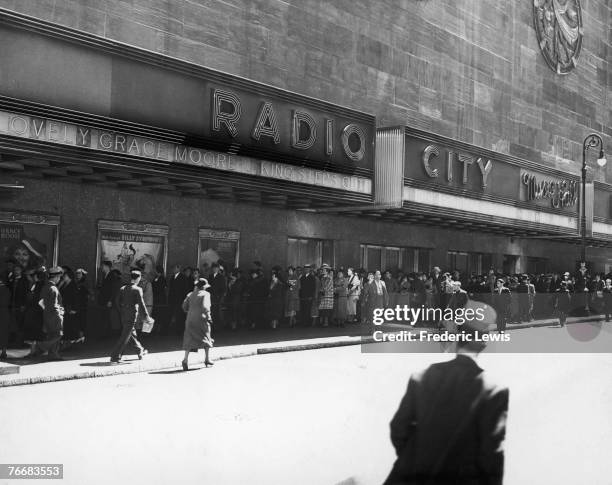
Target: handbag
(147, 325)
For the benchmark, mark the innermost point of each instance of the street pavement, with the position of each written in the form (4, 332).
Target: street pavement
(315, 417)
(92, 360)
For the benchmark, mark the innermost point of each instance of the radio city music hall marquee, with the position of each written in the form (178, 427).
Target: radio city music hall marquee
(455, 168)
(432, 151)
(146, 148)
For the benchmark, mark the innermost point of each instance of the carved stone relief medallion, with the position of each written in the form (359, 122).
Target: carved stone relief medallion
(558, 26)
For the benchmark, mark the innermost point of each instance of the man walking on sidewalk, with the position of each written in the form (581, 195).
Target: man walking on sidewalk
(451, 423)
(53, 317)
(131, 304)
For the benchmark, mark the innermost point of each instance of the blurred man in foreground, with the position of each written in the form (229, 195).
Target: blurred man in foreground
(451, 423)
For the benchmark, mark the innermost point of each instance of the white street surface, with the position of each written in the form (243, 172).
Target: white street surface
(314, 417)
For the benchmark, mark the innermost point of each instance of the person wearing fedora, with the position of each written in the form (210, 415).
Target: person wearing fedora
(53, 317)
(131, 304)
(462, 443)
(198, 323)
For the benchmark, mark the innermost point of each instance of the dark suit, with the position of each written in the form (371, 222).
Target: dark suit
(178, 287)
(131, 304)
(217, 290)
(107, 292)
(450, 427)
(160, 301)
(502, 301)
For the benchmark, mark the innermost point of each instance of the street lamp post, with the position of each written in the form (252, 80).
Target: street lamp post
(591, 141)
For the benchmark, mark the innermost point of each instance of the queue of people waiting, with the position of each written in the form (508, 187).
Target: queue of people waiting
(324, 296)
(292, 296)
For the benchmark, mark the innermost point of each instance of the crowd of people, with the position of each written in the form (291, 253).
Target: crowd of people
(255, 298)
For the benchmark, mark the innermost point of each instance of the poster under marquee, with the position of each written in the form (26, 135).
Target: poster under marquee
(127, 245)
(218, 245)
(30, 240)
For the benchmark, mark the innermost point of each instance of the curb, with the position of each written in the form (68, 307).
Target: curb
(321, 345)
(136, 367)
(555, 322)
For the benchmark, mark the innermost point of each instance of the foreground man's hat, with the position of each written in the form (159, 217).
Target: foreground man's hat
(56, 270)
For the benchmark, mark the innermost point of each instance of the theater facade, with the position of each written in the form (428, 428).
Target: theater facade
(114, 150)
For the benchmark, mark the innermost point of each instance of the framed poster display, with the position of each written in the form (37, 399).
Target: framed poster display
(30, 240)
(218, 245)
(129, 244)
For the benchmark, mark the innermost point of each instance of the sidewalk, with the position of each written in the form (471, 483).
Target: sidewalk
(92, 360)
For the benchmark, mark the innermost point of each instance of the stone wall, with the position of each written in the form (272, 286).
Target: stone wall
(464, 69)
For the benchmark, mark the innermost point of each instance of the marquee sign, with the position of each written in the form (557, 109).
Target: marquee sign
(561, 193)
(444, 165)
(79, 136)
(152, 93)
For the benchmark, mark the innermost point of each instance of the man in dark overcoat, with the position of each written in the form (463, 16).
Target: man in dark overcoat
(217, 290)
(308, 285)
(178, 287)
(451, 423)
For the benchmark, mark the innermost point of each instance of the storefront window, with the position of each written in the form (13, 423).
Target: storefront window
(423, 260)
(218, 245)
(537, 265)
(510, 264)
(467, 263)
(409, 260)
(128, 244)
(28, 239)
(310, 251)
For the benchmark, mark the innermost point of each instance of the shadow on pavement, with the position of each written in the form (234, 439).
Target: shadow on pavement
(174, 371)
(101, 347)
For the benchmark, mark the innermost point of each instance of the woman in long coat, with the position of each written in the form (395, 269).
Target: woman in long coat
(353, 292)
(326, 302)
(198, 322)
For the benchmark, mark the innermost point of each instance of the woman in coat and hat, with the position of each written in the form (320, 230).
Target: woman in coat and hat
(326, 293)
(198, 322)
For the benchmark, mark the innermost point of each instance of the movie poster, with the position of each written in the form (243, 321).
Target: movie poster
(218, 246)
(126, 250)
(30, 245)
